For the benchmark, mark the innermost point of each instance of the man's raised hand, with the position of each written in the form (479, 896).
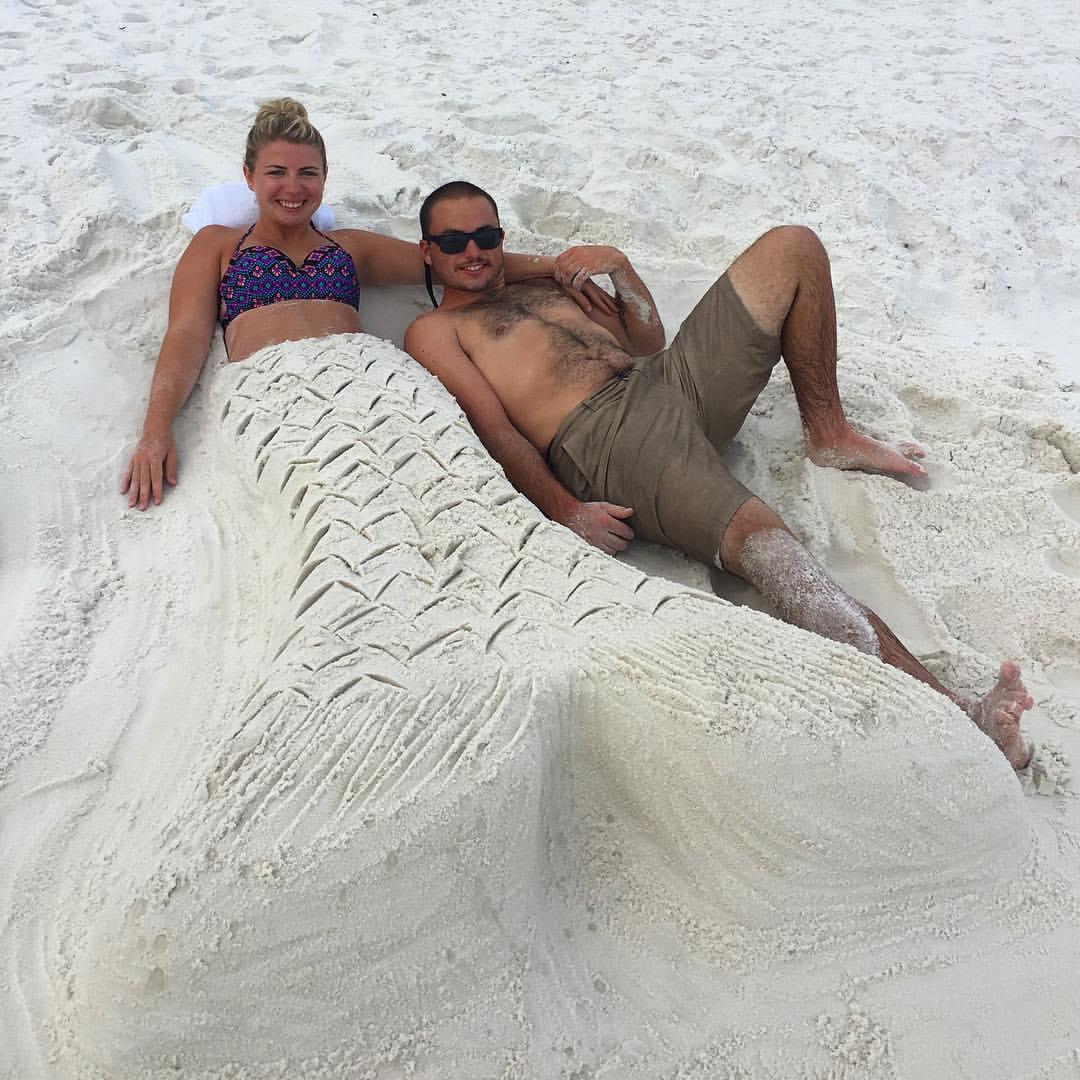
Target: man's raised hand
(590, 296)
(576, 265)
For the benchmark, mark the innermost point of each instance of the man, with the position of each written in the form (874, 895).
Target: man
(599, 440)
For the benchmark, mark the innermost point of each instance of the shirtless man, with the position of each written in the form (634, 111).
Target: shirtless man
(600, 441)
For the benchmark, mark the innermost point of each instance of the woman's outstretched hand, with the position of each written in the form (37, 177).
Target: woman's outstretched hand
(152, 466)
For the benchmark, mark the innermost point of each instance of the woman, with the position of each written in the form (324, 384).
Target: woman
(280, 280)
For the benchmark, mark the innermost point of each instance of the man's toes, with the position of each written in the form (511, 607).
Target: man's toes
(912, 450)
(1021, 699)
(1009, 674)
(908, 467)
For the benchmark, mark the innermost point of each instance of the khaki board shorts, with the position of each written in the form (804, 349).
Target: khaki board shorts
(652, 437)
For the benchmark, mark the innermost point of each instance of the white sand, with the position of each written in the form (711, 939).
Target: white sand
(344, 763)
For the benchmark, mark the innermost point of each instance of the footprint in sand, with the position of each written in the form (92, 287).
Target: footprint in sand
(858, 564)
(1063, 671)
(1066, 677)
(940, 475)
(1068, 499)
(105, 113)
(875, 584)
(1064, 561)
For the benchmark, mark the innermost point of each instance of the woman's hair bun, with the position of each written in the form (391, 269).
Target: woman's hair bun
(283, 118)
(286, 108)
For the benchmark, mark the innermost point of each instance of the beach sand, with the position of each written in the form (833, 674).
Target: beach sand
(344, 762)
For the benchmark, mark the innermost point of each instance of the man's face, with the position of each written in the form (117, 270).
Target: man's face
(471, 270)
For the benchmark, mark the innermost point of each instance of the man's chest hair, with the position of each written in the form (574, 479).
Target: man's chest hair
(521, 302)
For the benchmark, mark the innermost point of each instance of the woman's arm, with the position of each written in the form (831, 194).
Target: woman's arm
(382, 260)
(193, 303)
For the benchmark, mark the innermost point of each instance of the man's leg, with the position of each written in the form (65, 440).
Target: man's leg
(784, 281)
(759, 547)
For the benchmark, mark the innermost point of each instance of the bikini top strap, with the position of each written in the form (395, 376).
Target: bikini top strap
(330, 238)
(244, 237)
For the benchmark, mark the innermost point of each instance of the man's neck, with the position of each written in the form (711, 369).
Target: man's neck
(455, 298)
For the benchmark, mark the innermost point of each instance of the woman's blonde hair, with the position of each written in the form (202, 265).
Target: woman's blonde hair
(285, 119)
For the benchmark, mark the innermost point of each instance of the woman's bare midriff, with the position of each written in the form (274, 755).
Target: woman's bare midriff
(291, 320)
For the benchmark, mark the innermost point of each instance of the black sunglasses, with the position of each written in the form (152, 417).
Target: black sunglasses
(455, 242)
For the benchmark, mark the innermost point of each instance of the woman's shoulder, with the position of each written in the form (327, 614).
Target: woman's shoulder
(218, 235)
(209, 250)
(213, 246)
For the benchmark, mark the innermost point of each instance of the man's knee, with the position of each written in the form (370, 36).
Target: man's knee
(796, 242)
(752, 516)
(770, 273)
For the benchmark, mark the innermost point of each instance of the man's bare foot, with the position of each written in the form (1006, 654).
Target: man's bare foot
(998, 714)
(851, 450)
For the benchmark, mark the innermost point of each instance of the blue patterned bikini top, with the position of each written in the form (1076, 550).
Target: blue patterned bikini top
(261, 275)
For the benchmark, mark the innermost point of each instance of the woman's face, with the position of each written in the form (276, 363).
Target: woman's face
(288, 181)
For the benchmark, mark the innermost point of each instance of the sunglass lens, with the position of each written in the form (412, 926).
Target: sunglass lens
(454, 243)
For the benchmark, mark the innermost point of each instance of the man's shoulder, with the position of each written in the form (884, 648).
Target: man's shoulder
(427, 318)
(442, 318)
(430, 328)
(432, 320)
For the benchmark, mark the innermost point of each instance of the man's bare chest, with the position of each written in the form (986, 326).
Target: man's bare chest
(540, 307)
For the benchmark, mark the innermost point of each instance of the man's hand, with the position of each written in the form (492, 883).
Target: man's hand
(602, 525)
(590, 296)
(576, 265)
(585, 294)
(635, 321)
(152, 466)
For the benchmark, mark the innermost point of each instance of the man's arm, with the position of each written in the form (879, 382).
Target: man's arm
(433, 341)
(636, 323)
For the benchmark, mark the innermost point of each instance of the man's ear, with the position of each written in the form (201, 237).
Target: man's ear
(425, 251)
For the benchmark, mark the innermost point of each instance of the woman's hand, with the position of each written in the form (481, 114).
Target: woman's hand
(193, 304)
(152, 466)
